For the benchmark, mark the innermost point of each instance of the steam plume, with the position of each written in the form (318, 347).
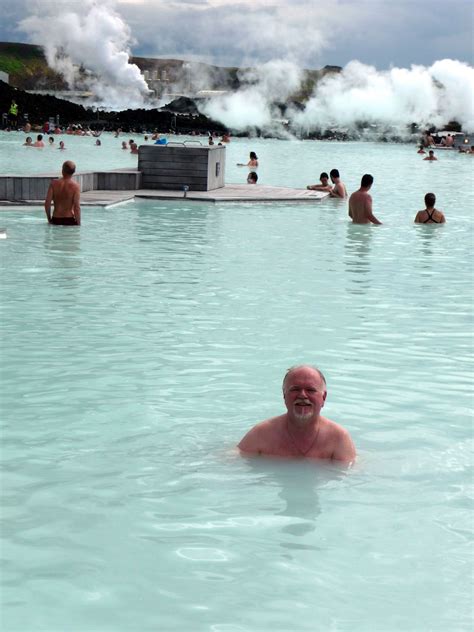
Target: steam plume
(89, 49)
(398, 97)
(253, 104)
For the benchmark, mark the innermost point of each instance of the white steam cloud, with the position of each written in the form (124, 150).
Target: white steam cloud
(89, 48)
(253, 104)
(398, 97)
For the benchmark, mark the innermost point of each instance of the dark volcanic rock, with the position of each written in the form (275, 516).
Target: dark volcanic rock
(182, 105)
(39, 108)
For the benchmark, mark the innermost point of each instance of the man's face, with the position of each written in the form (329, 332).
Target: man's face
(304, 394)
(324, 181)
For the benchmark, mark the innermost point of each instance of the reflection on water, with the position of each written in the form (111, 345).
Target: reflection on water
(63, 243)
(298, 482)
(62, 246)
(357, 251)
(427, 236)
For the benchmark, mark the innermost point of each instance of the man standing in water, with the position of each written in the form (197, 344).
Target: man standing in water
(302, 430)
(339, 188)
(360, 203)
(65, 194)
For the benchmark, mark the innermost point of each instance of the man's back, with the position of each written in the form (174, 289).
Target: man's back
(65, 192)
(360, 205)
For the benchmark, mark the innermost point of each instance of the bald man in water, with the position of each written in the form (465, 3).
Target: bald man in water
(302, 430)
(65, 194)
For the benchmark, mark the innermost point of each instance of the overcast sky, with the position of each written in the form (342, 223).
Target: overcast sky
(312, 33)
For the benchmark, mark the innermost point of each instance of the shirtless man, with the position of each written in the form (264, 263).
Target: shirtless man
(324, 186)
(430, 215)
(302, 430)
(39, 141)
(430, 156)
(65, 194)
(339, 189)
(360, 203)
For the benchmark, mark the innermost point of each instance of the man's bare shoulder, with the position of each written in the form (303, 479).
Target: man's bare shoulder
(60, 183)
(258, 438)
(339, 440)
(332, 427)
(73, 184)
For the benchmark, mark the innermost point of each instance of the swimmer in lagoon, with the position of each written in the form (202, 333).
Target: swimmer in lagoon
(64, 194)
(39, 141)
(324, 186)
(360, 203)
(421, 150)
(252, 163)
(133, 147)
(61, 145)
(124, 144)
(302, 431)
(339, 188)
(28, 142)
(430, 214)
(430, 156)
(252, 178)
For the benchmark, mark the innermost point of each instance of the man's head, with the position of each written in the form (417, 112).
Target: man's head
(39, 137)
(304, 392)
(431, 153)
(324, 178)
(334, 173)
(252, 178)
(430, 200)
(366, 181)
(68, 168)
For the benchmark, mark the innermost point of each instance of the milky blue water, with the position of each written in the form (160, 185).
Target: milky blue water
(138, 349)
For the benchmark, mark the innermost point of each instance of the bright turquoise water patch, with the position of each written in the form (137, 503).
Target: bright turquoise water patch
(139, 348)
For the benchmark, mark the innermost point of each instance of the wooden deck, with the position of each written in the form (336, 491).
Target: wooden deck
(228, 193)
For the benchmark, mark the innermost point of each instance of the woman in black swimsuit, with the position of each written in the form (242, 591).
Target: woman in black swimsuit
(430, 215)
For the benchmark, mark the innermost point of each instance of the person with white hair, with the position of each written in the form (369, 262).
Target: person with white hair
(302, 431)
